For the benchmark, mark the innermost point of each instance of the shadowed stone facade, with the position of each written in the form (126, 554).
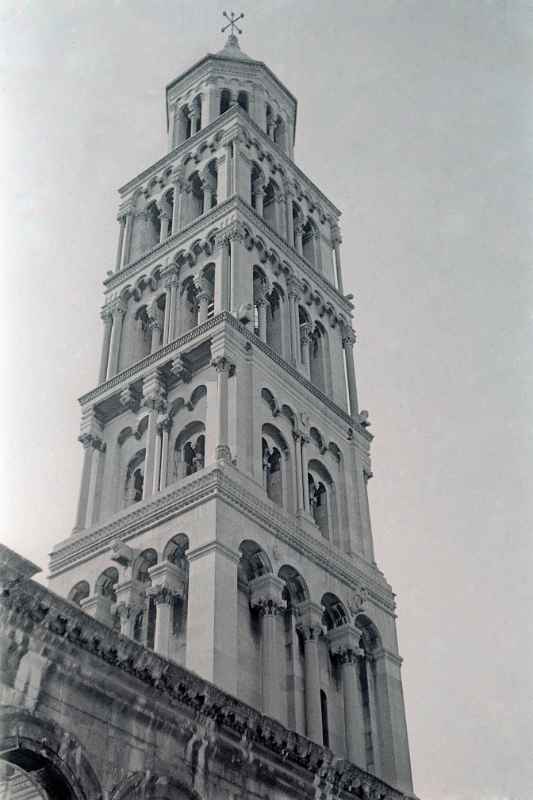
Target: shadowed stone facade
(226, 632)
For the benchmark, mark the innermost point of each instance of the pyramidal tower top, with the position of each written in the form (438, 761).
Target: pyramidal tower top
(223, 517)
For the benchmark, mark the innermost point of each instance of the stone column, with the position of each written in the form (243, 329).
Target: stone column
(212, 643)
(259, 198)
(107, 317)
(116, 335)
(164, 217)
(293, 320)
(203, 297)
(223, 368)
(266, 595)
(86, 440)
(305, 339)
(310, 628)
(262, 315)
(122, 222)
(195, 121)
(168, 584)
(290, 220)
(299, 474)
(336, 241)
(348, 340)
(281, 216)
(155, 331)
(165, 426)
(153, 399)
(222, 276)
(344, 647)
(127, 238)
(172, 286)
(298, 240)
(130, 600)
(177, 182)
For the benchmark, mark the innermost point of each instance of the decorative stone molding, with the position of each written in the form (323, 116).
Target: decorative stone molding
(129, 399)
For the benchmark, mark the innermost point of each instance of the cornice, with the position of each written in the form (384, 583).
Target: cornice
(66, 629)
(197, 334)
(225, 483)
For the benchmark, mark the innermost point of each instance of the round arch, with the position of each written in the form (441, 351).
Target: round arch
(34, 744)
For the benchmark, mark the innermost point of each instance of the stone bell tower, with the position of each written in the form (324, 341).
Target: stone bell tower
(223, 517)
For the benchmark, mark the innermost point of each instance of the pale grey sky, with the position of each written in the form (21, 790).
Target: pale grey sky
(415, 118)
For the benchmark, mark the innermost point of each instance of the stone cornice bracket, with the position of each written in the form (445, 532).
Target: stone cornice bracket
(122, 554)
(153, 391)
(181, 369)
(266, 595)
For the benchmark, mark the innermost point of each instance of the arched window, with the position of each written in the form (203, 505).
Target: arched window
(144, 334)
(275, 453)
(318, 358)
(189, 450)
(272, 477)
(274, 331)
(184, 124)
(135, 479)
(79, 592)
(225, 100)
(105, 587)
(269, 204)
(257, 181)
(189, 306)
(153, 226)
(321, 498)
(279, 133)
(196, 197)
(310, 243)
(242, 100)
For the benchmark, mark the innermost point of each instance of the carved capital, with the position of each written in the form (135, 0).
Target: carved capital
(163, 595)
(222, 364)
(266, 595)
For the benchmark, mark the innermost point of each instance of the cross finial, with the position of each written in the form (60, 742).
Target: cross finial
(232, 20)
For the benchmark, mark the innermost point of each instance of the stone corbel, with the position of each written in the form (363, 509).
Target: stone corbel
(129, 399)
(181, 369)
(122, 554)
(153, 391)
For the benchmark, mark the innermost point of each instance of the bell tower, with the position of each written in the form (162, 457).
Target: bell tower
(223, 517)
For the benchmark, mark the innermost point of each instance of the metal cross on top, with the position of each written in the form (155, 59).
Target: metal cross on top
(232, 19)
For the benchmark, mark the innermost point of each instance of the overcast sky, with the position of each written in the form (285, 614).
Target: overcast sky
(415, 119)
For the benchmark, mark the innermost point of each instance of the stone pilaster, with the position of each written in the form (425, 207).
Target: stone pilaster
(345, 649)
